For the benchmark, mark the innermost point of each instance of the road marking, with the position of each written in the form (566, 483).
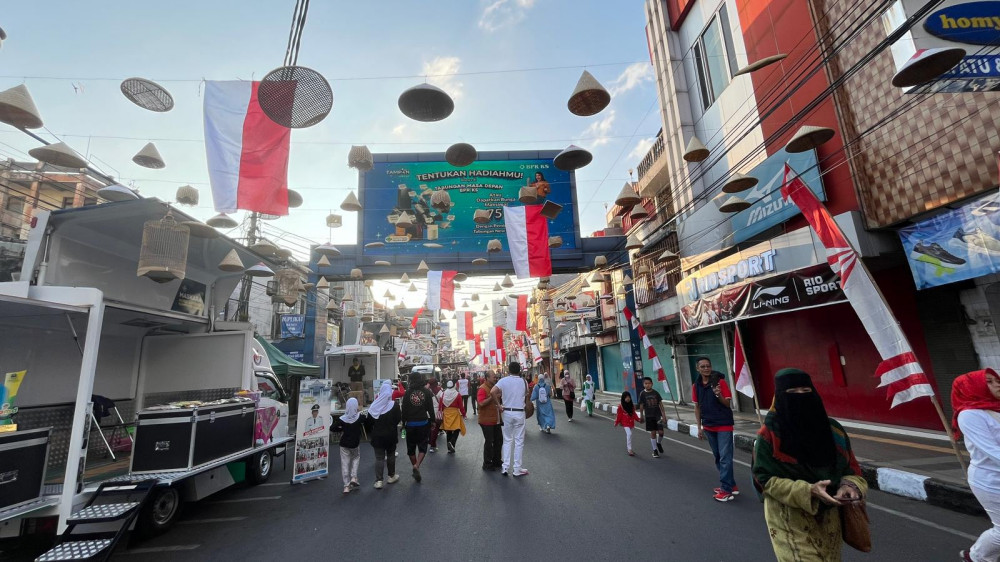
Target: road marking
(154, 549)
(924, 522)
(216, 520)
(241, 500)
(906, 444)
(275, 484)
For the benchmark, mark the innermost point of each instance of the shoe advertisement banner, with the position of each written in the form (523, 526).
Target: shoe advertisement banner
(312, 431)
(804, 288)
(960, 244)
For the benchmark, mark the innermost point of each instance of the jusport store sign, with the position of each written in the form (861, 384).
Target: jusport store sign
(973, 26)
(785, 273)
(440, 200)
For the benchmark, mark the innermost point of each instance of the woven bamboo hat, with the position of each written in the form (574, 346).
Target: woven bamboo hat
(58, 154)
(696, 150)
(232, 262)
(461, 154)
(360, 158)
(149, 157)
(627, 197)
(351, 203)
(222, 220)
(589, 97)
(17, 108)
(187, 195)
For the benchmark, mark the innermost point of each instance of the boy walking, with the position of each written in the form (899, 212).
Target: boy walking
(651, 406)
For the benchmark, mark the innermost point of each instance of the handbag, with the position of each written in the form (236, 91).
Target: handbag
(529, 407)
(854, 526)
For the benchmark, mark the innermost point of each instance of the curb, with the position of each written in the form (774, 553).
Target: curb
(890, 480)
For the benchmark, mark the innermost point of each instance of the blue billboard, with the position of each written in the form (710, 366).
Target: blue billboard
(767, 207)
(440, 202)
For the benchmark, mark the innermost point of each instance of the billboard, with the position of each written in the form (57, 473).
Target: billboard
(441, 200)
(768, 207)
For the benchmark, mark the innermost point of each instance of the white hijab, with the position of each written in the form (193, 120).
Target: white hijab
(450, 394)
(351, 414)
(383, 402)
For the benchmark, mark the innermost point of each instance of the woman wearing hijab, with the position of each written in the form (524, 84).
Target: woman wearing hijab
(588, 396)
(541, 395)
(626, 418)
(381, 423)
(350, 441)
(452, 412)
(438, 392)
(568, 394)
(803, 468)
(975, 399)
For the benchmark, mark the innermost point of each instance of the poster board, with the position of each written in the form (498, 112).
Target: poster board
(312, 432)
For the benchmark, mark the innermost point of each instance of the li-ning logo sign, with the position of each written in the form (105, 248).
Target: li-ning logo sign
(773, 295)
(752, 266)
(973, 23)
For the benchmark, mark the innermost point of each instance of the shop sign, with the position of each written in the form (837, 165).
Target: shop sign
(595, 325)
(974, 23)
(293, 325)
(960, 244)
(751, 266)
(812, 286)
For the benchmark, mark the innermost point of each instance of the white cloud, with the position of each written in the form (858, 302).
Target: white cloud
(632, 77)
(441, 72)
(598, 131)
(641, 148)
(398, 130)
(504, 13)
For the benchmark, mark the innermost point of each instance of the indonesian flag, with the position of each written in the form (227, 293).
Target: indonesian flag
(494, 338)
(441, 290)
(247, 152)
(744, 383)
(900, 372)
(413, 323)
(479, 345)
(528, 241)
(463, 325)
(661, 375)
(402, 351)
(517, 314)
(536, 354)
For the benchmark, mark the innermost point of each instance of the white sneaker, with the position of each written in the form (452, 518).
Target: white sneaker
(378, 484)
(393, 479)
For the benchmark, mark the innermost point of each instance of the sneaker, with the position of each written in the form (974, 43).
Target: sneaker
(504, 473)
(631, 453)
(659, 447)
(521, 472)
(735, 492)
(451, 448)
(934, 251)
(378, 484)
(548, 430)
(355, 484)
(347, 490)
(431, 450)
(964, 556)
(416, 474)
(722, 496)
(571, 420)
(977, 240)
(656, 454)
(393, 479)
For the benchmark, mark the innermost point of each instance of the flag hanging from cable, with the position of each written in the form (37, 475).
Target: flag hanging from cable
(413, 323)
(899, 372)
(528, 241)
(744, 383)
(463, 325)
(441, 290)
(517, 313)
(247, 153)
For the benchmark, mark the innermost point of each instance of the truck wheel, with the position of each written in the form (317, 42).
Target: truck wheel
(160, 511)
(259, 467)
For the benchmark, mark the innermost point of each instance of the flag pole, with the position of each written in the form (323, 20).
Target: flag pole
(753, 386)
(878, 291)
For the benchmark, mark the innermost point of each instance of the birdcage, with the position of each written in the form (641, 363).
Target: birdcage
(187, 195)
(163, 256)
(360, 158)
(333, 220)
(286, 286)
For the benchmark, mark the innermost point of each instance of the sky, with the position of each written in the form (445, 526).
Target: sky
(510, 66)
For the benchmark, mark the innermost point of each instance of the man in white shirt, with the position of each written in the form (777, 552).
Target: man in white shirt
(510, 391)
(315, 421)
(463, 390)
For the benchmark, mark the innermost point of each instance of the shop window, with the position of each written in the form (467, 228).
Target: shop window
(67, 202)
(715, 58)
(15, 204)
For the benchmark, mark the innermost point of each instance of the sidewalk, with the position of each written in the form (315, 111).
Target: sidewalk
(911, 466)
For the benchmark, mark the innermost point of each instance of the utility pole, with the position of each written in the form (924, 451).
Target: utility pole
(243, 305)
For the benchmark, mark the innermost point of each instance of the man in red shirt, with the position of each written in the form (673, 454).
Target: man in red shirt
(489, 421)
(714, 414)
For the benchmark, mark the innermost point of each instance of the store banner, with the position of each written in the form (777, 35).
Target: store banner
(312, 431)
(293, 325)
(959, 244)
(813, 286)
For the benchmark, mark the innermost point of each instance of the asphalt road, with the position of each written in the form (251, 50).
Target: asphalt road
(585, 499)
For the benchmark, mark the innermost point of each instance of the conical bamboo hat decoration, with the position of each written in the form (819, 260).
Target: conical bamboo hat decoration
(496, 287)
(627, 197)
(18, 109)
(696, 151)
(294, 199)
(351, 203)
(149, 157)
(589, 97)
(626, 280)
(668, 255)
(422, 268)
(232, 262)
(738, 182)
(118, 192)
(187, 195)
(58, 154)
(633, 243)
(356, 273)
(461, 154)
(638, 213)
(480, 261)
(503, 302)
(475, 297)
(808, 137)
(322, 283)
(413, 288)
(507, 282)
(328, 250)
(323, 261)
(332, 305)
(264, 246)
(493, 246)
(572, 158)
(600, 261)
(734, 204)
(360, 158)
(404, 279)
(222, 220)
(926, 65)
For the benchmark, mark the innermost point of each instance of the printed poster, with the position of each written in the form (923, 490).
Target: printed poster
(312, 431)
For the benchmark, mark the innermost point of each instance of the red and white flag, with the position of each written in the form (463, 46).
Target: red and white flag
(661, 375)
(494, 338)
(744, 383)
(413, 323)
(479, 345)
(899, 371)
(463, 325)
(528, 241)
(517, 313)
(441, 290)
(247, 152)
(402, 351)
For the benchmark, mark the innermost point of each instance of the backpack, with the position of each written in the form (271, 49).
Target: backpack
(543, 395)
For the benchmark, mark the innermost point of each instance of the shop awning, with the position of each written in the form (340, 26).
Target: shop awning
(285, 366)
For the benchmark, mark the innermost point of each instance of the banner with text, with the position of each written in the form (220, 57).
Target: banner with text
(312, 431)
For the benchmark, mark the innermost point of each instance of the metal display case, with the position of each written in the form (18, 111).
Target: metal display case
(23, 457)
(184, 438)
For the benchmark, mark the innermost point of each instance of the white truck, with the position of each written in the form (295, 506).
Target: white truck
(83, 327)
